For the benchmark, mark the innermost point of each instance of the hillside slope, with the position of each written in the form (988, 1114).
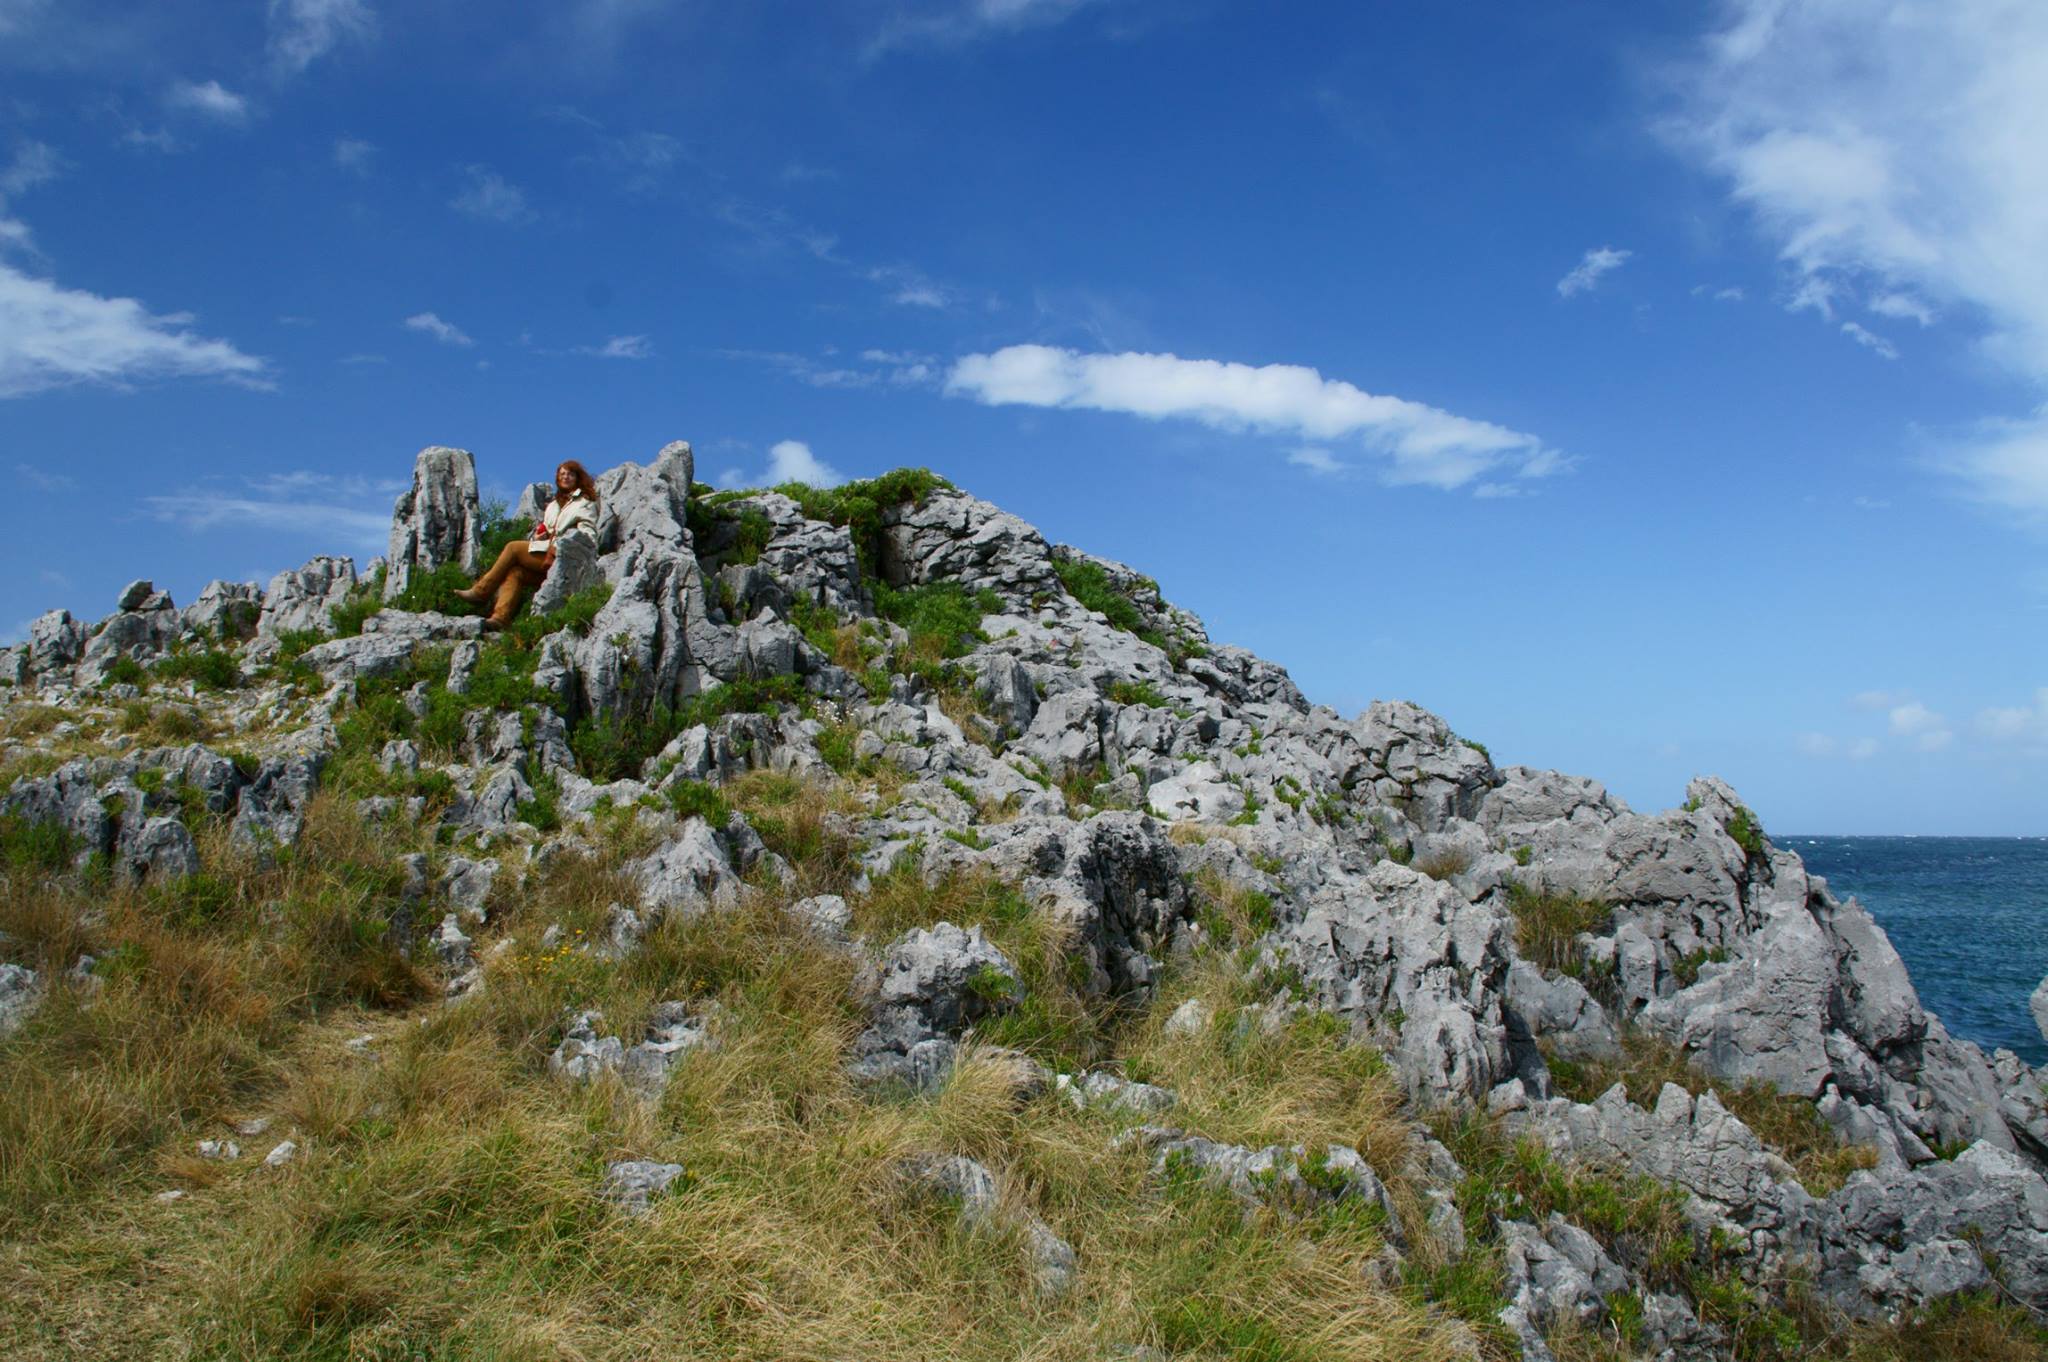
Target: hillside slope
(843, 924)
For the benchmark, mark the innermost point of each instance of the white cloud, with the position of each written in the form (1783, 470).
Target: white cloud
(1903, 306)
(53, 337)
(445, 332)
(1825, 747)
(910, 287)
(619, 347)
(946, 23)
(34, 163)
(2003, 463)
(2025, 723)
(303, 31)
(488, 195)
(42, 479)
(353, 154)
(792, 461)
(1870, 340)
(1317, 461)
(1892, 153)
(1419, 444)
(210, 100)
(1928, 730)
(355, 510)
(1585, 276)
(899, 368)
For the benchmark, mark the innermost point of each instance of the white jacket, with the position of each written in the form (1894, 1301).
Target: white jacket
(578, 515)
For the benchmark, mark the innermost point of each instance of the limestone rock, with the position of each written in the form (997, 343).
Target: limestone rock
(973, 1190)
(632, 1184)
(437, 520)
(575, 569)
(933, 983)
(300, 600)
(1404, 952)
(20, 991)
(225, 611)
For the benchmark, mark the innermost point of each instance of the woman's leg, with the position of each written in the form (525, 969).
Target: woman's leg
(520, 578)
(510, 558)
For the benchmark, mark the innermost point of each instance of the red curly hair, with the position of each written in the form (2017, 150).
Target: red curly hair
(584, 482)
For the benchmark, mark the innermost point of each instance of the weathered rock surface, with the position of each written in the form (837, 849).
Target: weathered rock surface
(437, 520)
(1118, 779)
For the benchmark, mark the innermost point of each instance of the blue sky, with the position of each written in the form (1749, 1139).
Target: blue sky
(1649, 389)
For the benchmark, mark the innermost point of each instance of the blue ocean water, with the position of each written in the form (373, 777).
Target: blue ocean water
(1968, 915)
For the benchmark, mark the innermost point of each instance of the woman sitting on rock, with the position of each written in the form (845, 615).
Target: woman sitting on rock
(524, 563)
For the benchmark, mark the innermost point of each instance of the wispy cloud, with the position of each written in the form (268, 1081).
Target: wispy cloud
(1870, 340)
(490, 196)
(1317, 461)
(55, 337)
(354, 155)
(1928, 731)
(303, 31)
(33, 163)
(210, 99)
(886, 368)
(950, 23)
(1585, 276)
(42, 479)
(2021, 723)
(356, 511)
(793, 461)
(1887, 158)
(430, 324)
(1416, 444)
(619, 347)
(1903, 306)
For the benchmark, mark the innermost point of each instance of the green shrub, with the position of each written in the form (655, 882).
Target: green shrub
(1748, 833)
(615, 746)
(1547, 926)
(125, 671)
(859, 506)
(35, 846)
(1089, 584)
(943, 618)
(206, 668)
(698, 799)
(1138, 693)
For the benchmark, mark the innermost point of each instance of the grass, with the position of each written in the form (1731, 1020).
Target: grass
(1789, 1125)
(442, 1206)
(1547, 926)
(1089, 584)
(1748, 832)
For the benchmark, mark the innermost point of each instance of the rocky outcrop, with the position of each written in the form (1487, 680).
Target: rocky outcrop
(933, 984)
(979, 1204)
(1128, 781)
(437, 520)
(301, 600)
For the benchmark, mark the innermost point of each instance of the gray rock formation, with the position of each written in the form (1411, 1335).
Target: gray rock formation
(300, 600)
(20, 991)
(974, 1192)
(674, 1030)
(633, 1184)
(437, 520)
(933, 984)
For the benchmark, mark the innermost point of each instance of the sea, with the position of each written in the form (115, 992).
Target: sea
(1968, 915)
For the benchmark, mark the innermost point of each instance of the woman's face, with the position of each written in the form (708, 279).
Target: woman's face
(565, 481)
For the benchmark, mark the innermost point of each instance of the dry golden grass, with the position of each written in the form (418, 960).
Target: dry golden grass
(1789, 1125)
(443, 1203)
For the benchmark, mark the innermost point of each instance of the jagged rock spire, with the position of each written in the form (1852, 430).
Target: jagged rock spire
(438, 520)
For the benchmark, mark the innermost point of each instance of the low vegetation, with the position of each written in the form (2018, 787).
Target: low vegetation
(1789, 1125)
